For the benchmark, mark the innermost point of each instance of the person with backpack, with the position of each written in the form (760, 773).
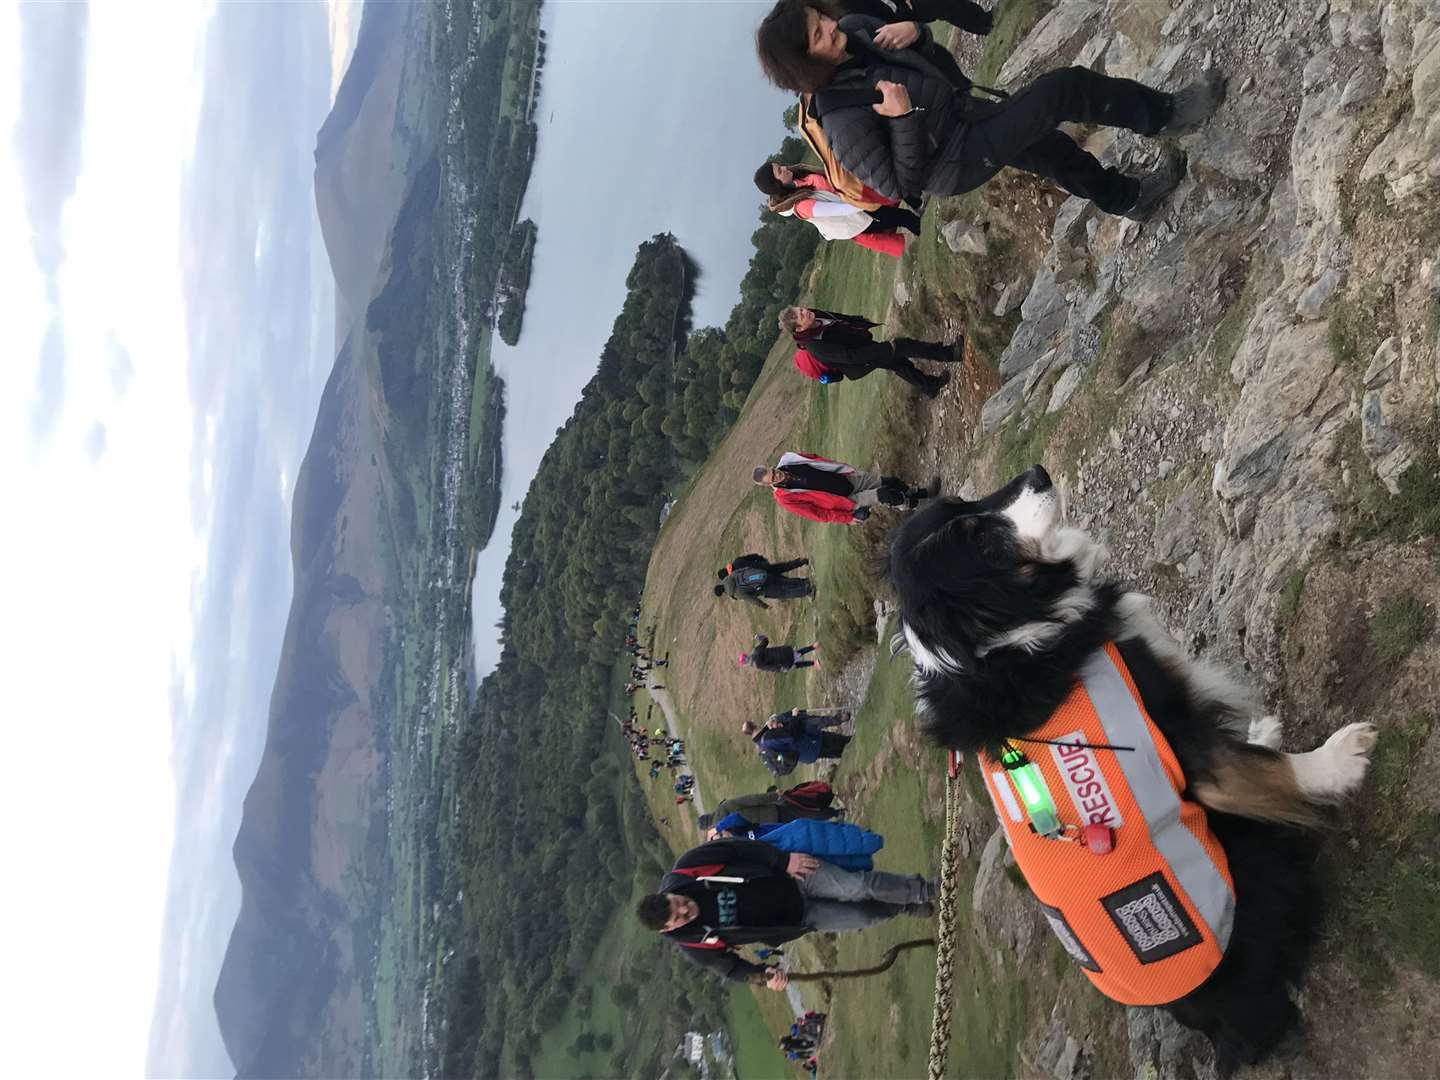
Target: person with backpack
(725, 894)
(814, 800)
(751, 577)
(797, 737)
(778, 658)
(832, 346)
(906, 128)
(823, 490)
(802, 192)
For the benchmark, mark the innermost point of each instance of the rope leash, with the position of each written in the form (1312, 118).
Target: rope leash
(859, 973)
(945, 933)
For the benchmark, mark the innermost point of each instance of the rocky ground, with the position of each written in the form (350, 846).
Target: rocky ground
(1240, 397)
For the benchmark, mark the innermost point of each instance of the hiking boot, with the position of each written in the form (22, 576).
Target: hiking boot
(920, 911)
(936, 384)
(1194, 105)
(954, 352)
(1157, 185)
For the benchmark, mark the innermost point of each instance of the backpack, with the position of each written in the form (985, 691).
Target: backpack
(812, 795)
(752, 578)
(846, 184)
(778, 762)
(809, 366)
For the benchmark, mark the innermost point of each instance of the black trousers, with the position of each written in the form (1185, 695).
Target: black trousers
(962, 13)
(786, 589)
(785, 567)
(893, 219)
(1021, 132)
(832, 744)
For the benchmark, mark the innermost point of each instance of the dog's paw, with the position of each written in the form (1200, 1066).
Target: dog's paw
(1266, 731)
(1346, 755)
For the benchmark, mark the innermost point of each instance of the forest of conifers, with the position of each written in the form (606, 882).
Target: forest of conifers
(539, 772)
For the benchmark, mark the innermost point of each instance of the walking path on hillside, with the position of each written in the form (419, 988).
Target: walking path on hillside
(661, 698)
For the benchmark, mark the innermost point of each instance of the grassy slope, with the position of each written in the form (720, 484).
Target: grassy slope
(882, 1025)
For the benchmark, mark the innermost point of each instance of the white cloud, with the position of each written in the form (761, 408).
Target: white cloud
(101, 554)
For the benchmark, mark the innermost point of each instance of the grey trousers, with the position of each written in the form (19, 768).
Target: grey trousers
(838, 900)
(866, 491)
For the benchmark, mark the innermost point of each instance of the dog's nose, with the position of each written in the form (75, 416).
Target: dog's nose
(1037, 479)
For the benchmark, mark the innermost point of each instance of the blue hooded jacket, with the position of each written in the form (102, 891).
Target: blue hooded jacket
(846, 846)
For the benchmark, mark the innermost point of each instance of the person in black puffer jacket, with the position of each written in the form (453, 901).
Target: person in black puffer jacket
(893, 118)
(907, 17)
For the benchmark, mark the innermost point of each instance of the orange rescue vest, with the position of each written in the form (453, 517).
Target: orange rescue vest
(1149, 920)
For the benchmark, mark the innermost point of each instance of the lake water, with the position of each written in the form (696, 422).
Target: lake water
(653, 116)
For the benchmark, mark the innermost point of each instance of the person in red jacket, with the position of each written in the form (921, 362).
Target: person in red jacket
(802, 192)
(832, 491)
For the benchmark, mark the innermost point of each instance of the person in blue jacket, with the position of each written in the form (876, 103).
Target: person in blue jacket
(795, 738)
(847, 846)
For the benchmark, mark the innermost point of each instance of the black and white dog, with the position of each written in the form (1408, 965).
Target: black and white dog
(1001, 607)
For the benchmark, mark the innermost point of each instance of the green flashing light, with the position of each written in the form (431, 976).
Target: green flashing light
(1030, 784)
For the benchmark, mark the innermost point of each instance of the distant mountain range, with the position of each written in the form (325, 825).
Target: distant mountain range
(291, 996)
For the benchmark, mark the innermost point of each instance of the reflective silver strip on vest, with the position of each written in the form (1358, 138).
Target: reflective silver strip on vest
(1159, 804)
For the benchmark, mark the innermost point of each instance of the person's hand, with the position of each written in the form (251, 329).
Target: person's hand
(801, 866)
(899, 35)
(776, 979)
(795, 711)
(895, 99)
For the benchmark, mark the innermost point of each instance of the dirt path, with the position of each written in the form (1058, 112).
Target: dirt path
(662, 698)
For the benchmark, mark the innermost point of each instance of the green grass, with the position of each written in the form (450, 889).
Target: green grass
(1373, 513)
(1389, 884)
(1398, 625)
(1022, 443)
(1016, 19)
(756, 1055)
(1361, 317)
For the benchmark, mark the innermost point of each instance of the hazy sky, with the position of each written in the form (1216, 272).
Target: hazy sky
(170, 326)
(169, 320)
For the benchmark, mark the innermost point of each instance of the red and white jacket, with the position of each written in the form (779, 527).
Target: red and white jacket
(816, 505)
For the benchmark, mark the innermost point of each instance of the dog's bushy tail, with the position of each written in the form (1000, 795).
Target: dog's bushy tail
(1244, 1008)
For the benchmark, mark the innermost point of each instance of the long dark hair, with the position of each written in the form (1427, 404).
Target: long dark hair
(768, 185)
(782, 45)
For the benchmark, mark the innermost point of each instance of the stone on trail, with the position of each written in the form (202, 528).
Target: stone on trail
(1312, 303)
(963, 238)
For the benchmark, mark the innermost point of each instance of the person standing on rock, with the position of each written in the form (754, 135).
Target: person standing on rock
(906, 128)
(778, 658)
(833, 346)
(751, 577)
(728, 893)
(823, 490)
(797, 737)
